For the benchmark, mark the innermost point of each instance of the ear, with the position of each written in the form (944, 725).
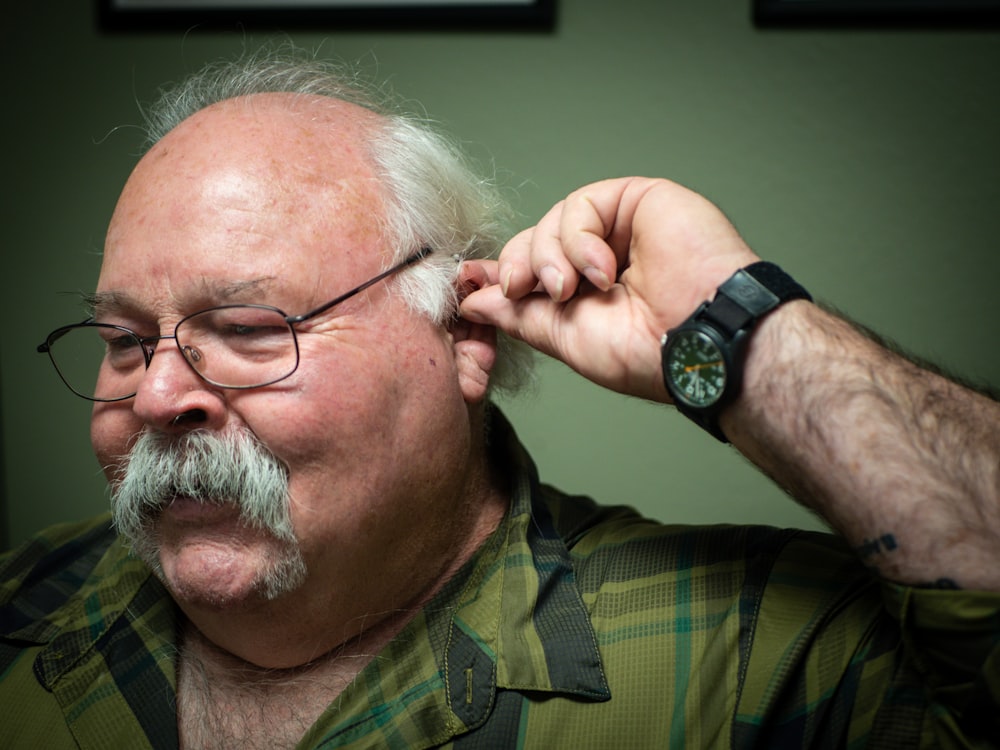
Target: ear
(475, 345)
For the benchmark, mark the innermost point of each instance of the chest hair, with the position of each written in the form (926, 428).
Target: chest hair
(225, 703)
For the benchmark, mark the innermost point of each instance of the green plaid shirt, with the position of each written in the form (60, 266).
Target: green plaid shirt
(575, 626)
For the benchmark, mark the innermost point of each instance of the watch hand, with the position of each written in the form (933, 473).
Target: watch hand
(689, 368)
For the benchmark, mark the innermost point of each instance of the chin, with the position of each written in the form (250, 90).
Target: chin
(212, 582)
(221, 572)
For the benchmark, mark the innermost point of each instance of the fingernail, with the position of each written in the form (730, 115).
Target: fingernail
(597, 277)
(505, 280)
(472, 316)
(553, 281)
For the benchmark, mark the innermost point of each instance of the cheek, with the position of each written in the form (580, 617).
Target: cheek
(353, 413)
(113, 429)
(321, 415)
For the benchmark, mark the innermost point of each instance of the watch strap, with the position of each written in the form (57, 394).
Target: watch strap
(749, 294)
(779, 283)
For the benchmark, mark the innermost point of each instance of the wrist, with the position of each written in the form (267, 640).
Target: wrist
(779, 344)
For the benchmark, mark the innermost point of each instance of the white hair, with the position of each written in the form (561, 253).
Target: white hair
(435, 198)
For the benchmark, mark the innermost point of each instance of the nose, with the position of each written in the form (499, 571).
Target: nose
(171, 397)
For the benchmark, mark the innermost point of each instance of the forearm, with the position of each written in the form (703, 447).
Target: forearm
(903, 462)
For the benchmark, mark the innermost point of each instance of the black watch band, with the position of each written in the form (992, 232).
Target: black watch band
(746, 297)
(739, 303)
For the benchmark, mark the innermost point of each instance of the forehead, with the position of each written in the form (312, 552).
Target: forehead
(265, 187)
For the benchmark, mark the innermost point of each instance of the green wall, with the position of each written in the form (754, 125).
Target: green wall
(865, 162)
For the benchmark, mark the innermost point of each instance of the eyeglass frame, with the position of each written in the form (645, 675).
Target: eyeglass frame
(148, 351)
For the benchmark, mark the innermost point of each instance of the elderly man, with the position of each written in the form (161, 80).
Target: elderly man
(323, 535)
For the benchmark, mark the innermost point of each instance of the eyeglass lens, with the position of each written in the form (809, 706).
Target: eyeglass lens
(234, 347)
(239, 347)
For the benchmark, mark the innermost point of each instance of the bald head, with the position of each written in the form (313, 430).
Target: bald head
(297, 163)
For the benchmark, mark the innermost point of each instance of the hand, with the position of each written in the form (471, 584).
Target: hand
(604, 274)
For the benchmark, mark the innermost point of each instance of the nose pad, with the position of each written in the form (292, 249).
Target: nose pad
(191, 354)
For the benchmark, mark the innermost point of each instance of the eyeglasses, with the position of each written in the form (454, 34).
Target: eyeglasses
(229, 346)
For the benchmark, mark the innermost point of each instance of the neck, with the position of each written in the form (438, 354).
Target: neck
(221, 668)
(226, 702)
(297, 630)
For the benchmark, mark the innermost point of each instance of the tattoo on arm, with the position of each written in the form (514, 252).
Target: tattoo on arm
(886, 544)
(879, 546)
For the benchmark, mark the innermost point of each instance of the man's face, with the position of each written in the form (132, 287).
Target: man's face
(249, 201)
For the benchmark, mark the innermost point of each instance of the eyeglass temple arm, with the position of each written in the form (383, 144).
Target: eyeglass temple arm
(419, 255)
(422, 253)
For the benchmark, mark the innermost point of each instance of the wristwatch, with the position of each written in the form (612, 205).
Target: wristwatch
(703, 357)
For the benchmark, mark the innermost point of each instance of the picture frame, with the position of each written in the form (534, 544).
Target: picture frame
(899, 13)
(325, 15)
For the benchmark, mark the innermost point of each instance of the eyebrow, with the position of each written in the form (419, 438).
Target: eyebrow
(208, 293)
(97, 302)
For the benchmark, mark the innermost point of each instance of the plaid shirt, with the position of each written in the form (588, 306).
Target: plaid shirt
(575, 626)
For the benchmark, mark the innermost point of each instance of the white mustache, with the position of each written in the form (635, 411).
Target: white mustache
(234, 468)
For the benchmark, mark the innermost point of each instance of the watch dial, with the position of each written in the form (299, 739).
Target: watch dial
(696, 369)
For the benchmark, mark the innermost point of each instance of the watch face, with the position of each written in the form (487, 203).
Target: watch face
(696, 369)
